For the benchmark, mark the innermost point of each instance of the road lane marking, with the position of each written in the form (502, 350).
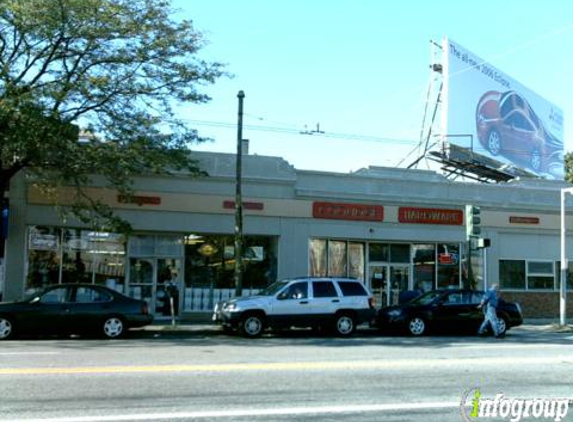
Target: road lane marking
(566, 346)
(317, 410)
(294, 366)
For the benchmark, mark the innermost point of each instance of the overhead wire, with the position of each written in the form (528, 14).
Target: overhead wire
(292, 129)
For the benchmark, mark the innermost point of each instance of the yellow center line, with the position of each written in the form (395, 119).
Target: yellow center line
(290, 366)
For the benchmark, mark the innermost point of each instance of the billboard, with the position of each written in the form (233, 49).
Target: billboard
(497, 118)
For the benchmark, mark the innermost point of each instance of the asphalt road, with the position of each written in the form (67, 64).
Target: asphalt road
(292, 377)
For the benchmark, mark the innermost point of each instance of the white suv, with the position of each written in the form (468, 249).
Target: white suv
(337, 303)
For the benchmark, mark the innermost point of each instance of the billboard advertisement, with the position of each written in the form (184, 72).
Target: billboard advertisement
(497, 118)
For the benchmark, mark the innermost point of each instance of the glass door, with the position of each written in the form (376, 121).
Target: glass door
(399, 282)
(142, 280)
(378, 276)
(167, 288)
(387, 282)
(157, 281)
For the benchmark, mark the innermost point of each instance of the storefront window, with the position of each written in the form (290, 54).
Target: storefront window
(400, 253)
(378, 252)
(448, 266)
(43, 257)
(318, 257)
(569, 276)
(512, 274)
(58, 255)
(540, 275)
(337, 258)
(356, 260)
(424, 257)
(210, 267)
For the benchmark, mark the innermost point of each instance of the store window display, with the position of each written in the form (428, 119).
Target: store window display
(64, 255)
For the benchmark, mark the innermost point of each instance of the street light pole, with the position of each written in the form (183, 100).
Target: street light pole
(239, 202)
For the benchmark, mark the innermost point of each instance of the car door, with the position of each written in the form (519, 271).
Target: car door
(291, 306)
(477, 314)
(325, 301)
(452, 312)
(49, 312)
(90, 304)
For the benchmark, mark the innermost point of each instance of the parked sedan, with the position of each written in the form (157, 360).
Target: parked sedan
(445, 310)
(73, 309)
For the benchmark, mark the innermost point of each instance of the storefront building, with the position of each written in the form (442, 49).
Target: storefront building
(395, 229)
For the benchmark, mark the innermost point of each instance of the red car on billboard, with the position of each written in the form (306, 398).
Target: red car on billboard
(508, 126)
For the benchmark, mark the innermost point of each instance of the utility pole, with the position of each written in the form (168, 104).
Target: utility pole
(239, 203)
(564, 261)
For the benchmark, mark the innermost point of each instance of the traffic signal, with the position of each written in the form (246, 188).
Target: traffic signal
(473, 216)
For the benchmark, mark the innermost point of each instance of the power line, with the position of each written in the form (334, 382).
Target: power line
(293, 131)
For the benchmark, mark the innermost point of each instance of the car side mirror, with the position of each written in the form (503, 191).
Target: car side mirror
(35, 299)
(282, 296)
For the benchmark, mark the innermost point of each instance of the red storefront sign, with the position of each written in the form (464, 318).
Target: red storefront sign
(523, 220)
(343, 211)
(252, 206)
(413, 215)
(448, 259)
(139, 200)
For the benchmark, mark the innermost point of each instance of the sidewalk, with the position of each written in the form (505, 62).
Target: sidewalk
(201, 324)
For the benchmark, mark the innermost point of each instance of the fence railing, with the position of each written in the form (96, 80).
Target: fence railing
(204, 299)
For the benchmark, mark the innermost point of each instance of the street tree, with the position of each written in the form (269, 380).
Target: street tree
(88, 87)
(569, 167)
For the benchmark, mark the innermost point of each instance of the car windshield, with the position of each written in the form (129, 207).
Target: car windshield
(273, 288)
(425, 298)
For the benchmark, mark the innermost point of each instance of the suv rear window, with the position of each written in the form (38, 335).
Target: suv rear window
(351, 288)
(323, 289)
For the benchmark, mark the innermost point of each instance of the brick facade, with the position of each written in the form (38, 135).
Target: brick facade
(539, 304)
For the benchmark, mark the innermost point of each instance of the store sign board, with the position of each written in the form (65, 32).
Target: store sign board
(344, 211)
(413, 215)
(523, 220)
(139, 199)
(251, 206)
(43, 242)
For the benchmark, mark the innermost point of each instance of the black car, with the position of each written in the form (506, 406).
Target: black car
(73, 309)
(445, 310)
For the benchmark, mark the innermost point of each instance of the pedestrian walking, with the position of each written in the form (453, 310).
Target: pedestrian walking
(490, 301)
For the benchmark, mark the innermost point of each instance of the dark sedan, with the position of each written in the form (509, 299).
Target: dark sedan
(445, 310)
(73, 309)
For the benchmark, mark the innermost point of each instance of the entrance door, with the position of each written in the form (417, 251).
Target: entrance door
(157, 281)
(399, 282)
(387, 282)
(378, 276)
(167, 287)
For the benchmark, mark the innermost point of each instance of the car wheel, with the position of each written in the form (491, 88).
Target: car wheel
(252, 325)
(113, 327)
(6, 328)
(494, 142)
(535, 159)
(344, 325)
(417, 326)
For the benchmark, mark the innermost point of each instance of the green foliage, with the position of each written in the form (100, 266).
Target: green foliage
(569, 167)
(114, 68)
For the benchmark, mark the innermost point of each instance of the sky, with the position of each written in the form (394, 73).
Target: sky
(358, 71)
